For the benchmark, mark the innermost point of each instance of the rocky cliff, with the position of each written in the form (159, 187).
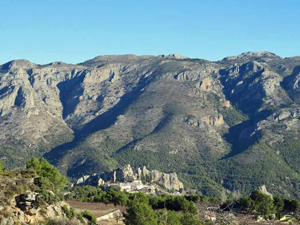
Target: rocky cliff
(21, 202)
(126, 174)
(231, 123)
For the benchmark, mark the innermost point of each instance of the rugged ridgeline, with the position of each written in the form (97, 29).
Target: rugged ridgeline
(232, 123)
(126, 174)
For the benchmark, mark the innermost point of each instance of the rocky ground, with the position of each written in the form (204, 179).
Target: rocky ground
(19, 203)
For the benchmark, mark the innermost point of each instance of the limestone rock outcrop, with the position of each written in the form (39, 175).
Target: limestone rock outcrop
(168, 181)
(126, 174)
(27, 200)
(263, 189)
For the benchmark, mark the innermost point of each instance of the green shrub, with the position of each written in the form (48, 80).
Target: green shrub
(65, 209)
(263, 203)
(46, 196)
(189, 219)
(43, 211)
(140, 213)
(80, 218)
(1, 167)
(50, 177)
(89, 216)
(70, 213)
(291, 205)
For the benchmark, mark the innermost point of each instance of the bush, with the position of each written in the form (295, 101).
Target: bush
(29, 173)
(89, 216)
(140, 213)
(71, 214)
(291, 205)
(50, 177)
(80, 218)
(263, 203)
(65, 209)
(1, 167)
(189, 219)
(46, 196)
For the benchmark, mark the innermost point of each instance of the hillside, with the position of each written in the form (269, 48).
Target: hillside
(231, 123)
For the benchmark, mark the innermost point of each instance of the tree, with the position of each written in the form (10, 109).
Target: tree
(34, 164)
(278, 204)
(189, 219)
(50, 177)
(140, 213)
(1, 167)
(263, 203)
(246, 204)
(291, 205)
(192, 209)
(166, 217)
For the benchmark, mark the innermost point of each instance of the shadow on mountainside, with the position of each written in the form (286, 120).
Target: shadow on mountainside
(66, 88)
(233, 137)
(163, 123)
(240, 144)
(101, 122)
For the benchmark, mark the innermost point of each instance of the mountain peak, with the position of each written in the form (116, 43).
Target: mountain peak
(116, 58)
(259, 54)
(253, 55)
(15, 64)
(173, 56)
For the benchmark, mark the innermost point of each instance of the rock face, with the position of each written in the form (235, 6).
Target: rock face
(126, 174)
(173, 56)
(19, 203)
(168, 181)
(207, 121)
(263, 189)
(27, 200)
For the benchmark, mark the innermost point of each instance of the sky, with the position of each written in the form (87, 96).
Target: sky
(73, 31)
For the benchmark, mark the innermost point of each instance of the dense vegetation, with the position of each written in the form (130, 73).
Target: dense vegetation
(49, 177)
(117, 197)
(1, 167)
(264, 205)
(142, 208)
(166, 209)
(245, 171)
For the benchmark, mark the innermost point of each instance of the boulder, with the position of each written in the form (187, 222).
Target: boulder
(26, 201)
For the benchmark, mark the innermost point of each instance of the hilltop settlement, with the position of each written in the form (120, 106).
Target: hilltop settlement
(144, 180)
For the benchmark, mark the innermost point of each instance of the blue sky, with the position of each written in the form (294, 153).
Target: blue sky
(77, 30)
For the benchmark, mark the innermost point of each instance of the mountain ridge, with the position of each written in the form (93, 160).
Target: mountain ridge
(203, 120)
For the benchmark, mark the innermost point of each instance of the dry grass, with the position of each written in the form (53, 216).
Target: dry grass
(13, 183)
(97, 208)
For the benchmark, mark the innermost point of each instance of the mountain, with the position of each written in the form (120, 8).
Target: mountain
(232, 123)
